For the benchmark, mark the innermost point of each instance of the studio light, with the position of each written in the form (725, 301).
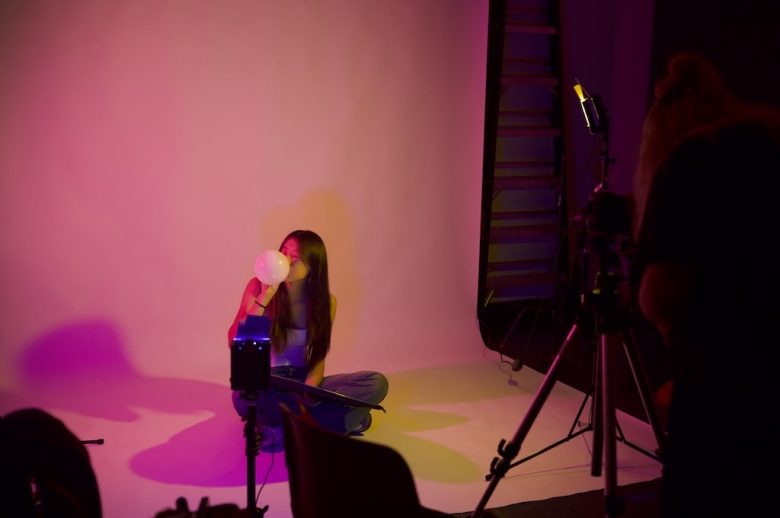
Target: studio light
(592, 108)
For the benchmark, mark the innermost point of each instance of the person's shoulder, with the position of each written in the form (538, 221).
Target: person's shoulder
(688, 164)
(753, 124)
(693, 155)
(693, 145)
(744, 129)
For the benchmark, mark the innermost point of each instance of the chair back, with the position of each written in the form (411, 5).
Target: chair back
(333, 475)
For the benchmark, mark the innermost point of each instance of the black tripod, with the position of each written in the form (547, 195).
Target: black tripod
(601, 305)
(252, 449)
(250, 373)
(637, 368)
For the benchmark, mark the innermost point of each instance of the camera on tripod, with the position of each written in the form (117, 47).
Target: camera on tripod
(607, 214)
(250, 372)
(250, 356)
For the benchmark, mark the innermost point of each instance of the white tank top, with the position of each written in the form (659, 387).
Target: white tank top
(294, 354)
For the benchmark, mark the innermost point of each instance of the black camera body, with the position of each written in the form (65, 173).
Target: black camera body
(250, 355)
(608, 214)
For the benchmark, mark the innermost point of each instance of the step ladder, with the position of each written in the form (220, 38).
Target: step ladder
(523, 252)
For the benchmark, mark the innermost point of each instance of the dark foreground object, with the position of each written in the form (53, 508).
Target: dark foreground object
(642, 501)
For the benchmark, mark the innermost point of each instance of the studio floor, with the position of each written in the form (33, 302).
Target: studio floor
(167, 438)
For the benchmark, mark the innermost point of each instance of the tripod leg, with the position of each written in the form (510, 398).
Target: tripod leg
(251, 452)
(577, 422)
(598, 424)
(571, 435)
(643, 386)
(613, 504)
(590, 394)
(501, 465)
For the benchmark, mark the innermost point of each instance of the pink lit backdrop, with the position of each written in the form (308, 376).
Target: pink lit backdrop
(150, 150)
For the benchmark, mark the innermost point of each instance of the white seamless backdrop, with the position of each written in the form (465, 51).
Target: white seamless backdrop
(150, 150)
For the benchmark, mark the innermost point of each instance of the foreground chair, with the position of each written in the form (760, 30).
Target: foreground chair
(332, 475)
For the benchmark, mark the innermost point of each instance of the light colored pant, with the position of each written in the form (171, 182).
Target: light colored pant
(367, 386)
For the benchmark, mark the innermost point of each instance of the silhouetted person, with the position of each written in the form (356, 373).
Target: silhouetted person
(44, 469)
(709, 239)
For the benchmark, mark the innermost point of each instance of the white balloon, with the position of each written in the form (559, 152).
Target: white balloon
(272, 267)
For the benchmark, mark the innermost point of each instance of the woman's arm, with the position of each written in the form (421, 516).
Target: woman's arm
(332, 309)
(255, 294)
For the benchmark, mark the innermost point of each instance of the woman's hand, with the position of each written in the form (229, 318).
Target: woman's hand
(259, 302)
(255, 293)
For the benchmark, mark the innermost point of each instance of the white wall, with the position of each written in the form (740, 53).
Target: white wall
(150, 150)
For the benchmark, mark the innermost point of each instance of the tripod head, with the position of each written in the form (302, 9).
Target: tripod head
(606, 233)
(605, 226)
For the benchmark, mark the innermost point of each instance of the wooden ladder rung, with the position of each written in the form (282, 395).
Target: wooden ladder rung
(526, 10)
(527, 279)
(500, 234)
(524, 113)
(529, 28)
(528, 79)
(520, 214)
(528, 131)
(534, 62)
(524, 164)
(525, 264)
(525, 182)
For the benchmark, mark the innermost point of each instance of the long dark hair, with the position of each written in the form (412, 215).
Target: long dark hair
(318, 323)
(690, 97)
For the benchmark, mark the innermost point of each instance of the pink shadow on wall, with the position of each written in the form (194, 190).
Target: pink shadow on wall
(82, 368)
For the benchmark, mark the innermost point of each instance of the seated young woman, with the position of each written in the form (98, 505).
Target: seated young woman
(302, 311)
